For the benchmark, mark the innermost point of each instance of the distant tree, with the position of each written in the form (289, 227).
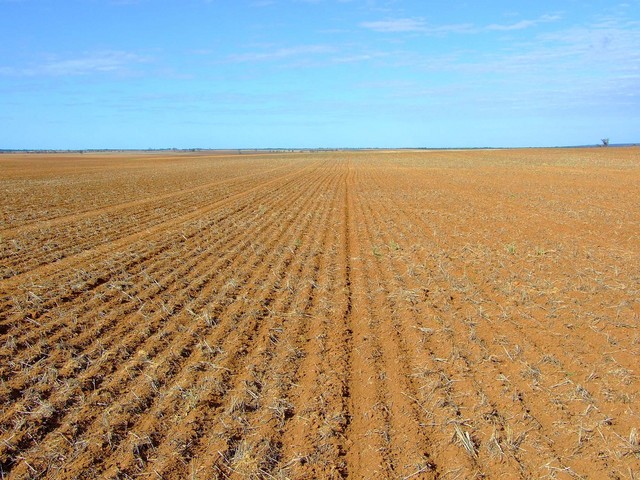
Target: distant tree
(605, 142)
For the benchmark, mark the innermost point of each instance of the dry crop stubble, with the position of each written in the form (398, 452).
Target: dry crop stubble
(405, 314)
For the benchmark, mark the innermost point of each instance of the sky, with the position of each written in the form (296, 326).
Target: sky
(80, 74)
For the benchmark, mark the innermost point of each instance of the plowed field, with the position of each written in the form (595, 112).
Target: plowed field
(443, 314)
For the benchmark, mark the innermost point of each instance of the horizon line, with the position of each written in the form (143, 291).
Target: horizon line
(291, 149)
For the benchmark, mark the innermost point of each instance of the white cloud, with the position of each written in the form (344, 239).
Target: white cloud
(522, 24)
(281, 53)
(356, 58)
(585, 67)
(397, 25)
(408, 25)
(113, 62)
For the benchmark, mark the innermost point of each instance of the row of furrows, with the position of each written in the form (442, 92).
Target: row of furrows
(246, 438)
(209, 342)
(247, 316)
(142, 289)
(168, 183)
(226, 394)
(465, 331)
(59, 193)
(48, 242)
(313, 438)
(105, 297)
(247, 443)
(126, 352)
(101, 290)
(552, 372)
(56, 195)
(418, 309)
(133, 302)
(368, 429)
(33, 291)
(270, 405)
(447, 390)
(386, 422)
(102, 285)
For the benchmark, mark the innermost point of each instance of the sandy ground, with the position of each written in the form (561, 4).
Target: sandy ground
(445, 314)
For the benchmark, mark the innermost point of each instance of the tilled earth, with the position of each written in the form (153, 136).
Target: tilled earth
(407, 314)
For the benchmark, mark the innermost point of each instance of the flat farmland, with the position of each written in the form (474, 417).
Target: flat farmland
(365, 314)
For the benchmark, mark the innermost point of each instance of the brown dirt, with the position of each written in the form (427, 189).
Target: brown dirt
(445, 314)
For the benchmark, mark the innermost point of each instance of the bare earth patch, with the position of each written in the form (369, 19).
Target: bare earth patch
(408, 314)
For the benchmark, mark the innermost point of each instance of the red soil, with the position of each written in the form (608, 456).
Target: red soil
(345, 314)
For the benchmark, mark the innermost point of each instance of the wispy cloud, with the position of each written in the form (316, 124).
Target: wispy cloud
(109, 62)
(281, 53)
(356, 58)
(522, 24)
(582, 68)
(396, 25)
(419, 25)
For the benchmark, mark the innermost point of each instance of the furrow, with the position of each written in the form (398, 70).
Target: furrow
(405, 448)
(53, 241)
(462, 329)
(239, 179)
(134, 346)
(118, 290)
(105, 249)
(241, 320)
(260, 395)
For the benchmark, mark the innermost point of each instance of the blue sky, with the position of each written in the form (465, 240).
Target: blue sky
(317, 73)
